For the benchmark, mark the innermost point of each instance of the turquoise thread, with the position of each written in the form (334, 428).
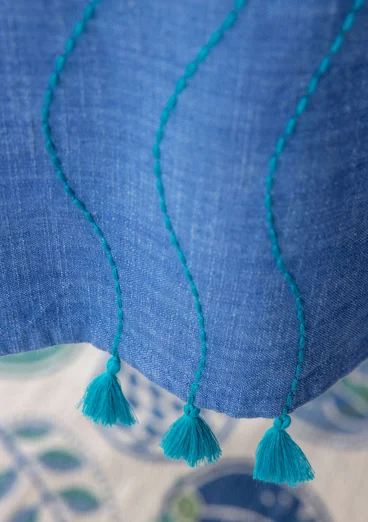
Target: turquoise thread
(103, 401)
(270, 217)
(181, 84)
(60, 62)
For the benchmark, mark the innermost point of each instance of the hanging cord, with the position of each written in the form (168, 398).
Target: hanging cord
(189, 438)
(278, 458)
(103, 402)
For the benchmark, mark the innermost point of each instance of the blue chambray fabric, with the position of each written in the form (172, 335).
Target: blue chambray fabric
(56, 285)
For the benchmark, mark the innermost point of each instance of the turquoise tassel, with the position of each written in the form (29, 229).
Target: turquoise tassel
(279, 459)
(104, 402)
(191, 439)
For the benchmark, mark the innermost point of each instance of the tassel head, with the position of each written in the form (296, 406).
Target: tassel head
(104, 401)
(279, 459)
(191, 439)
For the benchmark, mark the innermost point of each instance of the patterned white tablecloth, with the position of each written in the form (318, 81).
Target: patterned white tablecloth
(56, 466)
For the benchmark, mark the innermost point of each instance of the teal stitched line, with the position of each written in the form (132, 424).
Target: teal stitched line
(53, 81)
(280, 146)
(190, 71)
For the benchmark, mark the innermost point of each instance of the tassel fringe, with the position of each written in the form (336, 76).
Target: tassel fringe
(279, 459)
(191, 439)
(104, 401)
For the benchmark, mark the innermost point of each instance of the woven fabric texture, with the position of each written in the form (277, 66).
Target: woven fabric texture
(56, 285)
